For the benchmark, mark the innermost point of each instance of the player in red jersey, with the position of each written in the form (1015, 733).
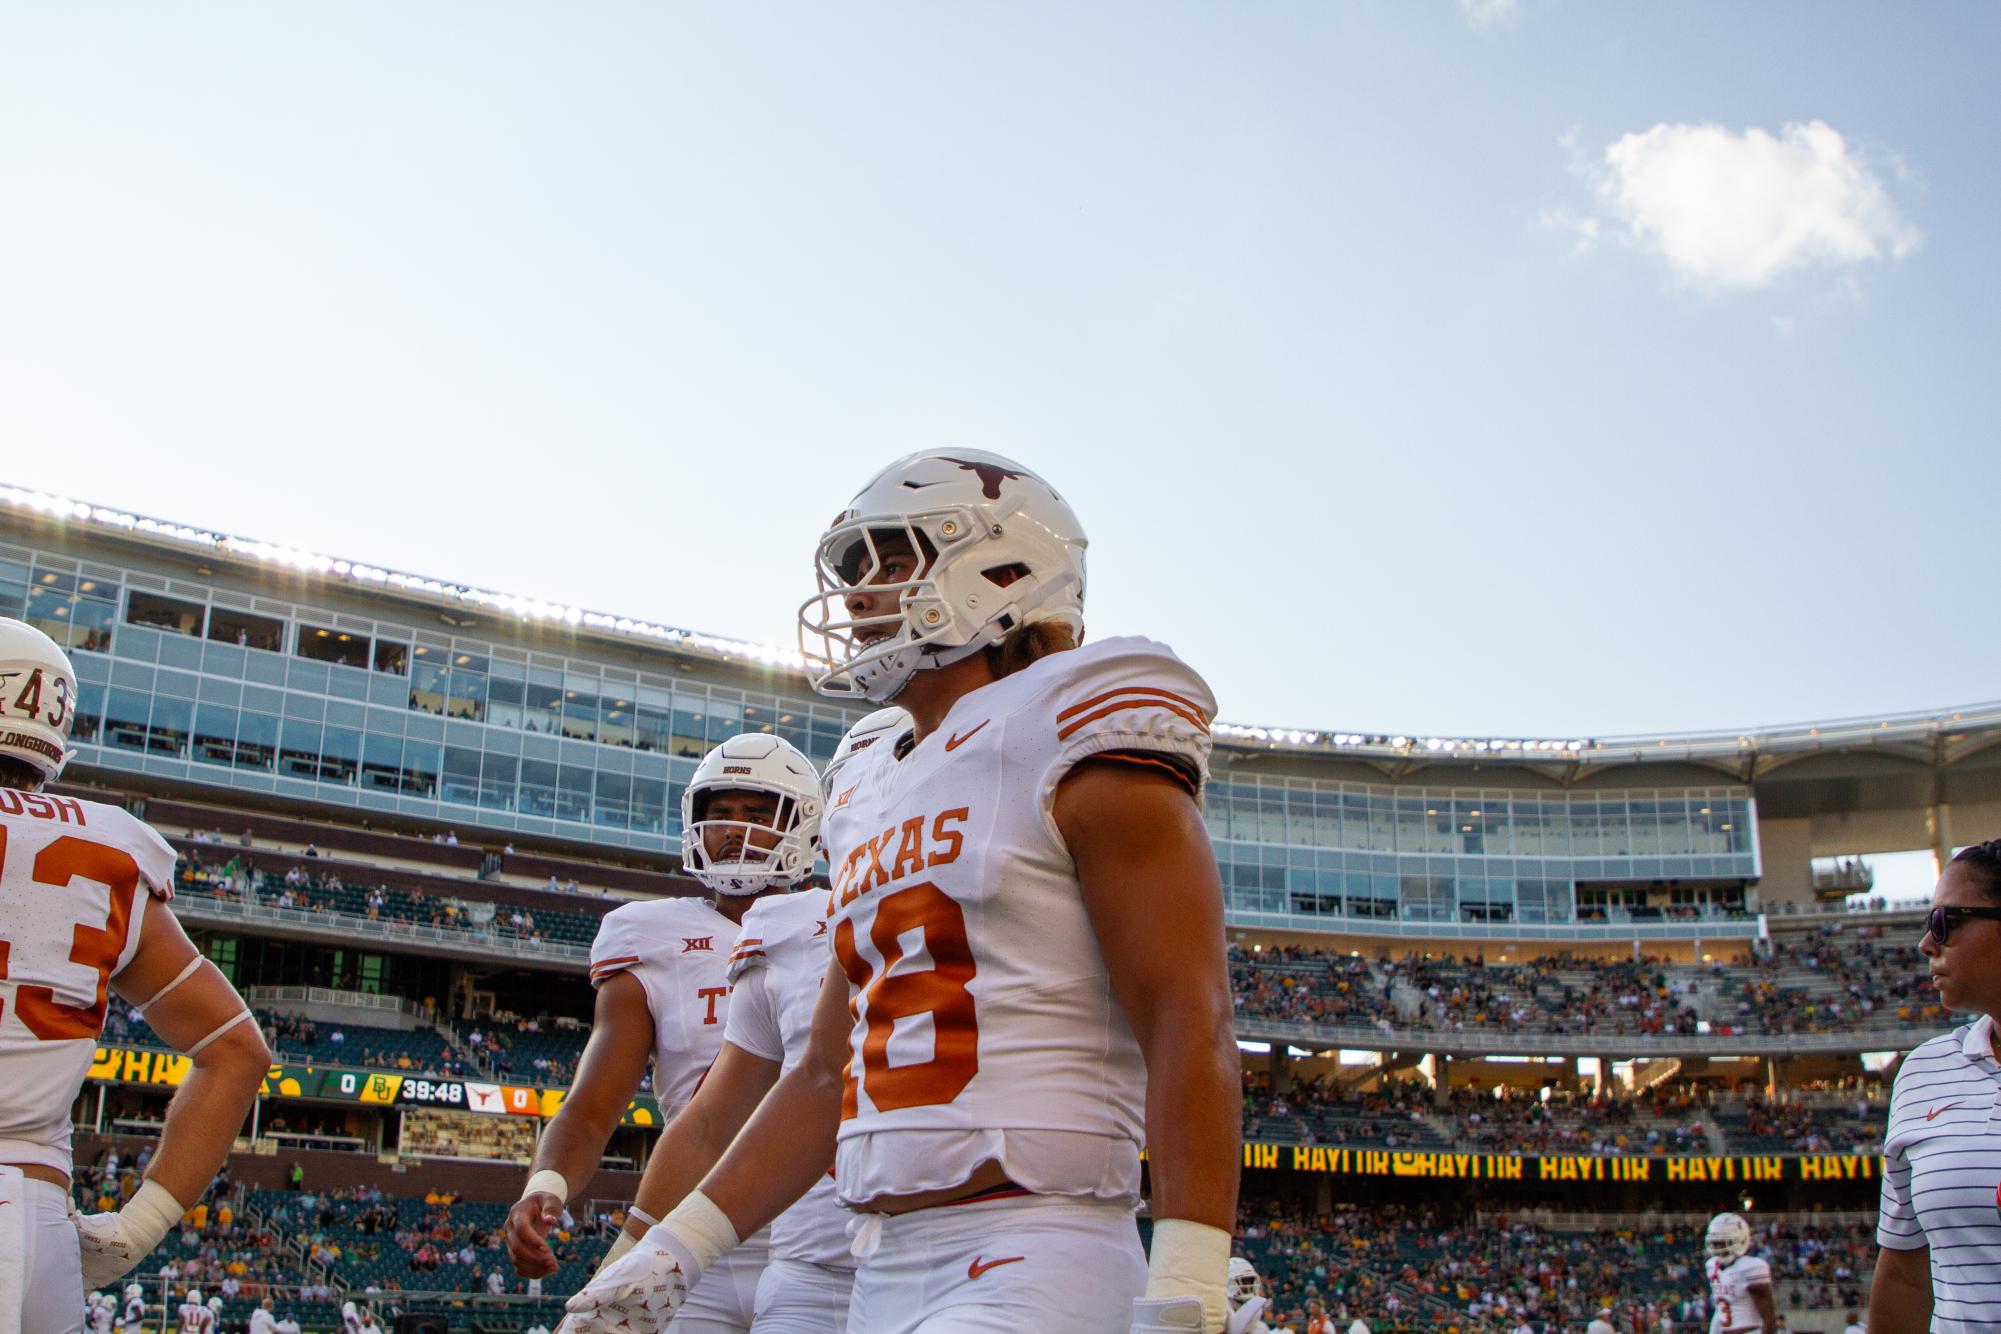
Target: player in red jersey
(1027, 920)
(83, 914)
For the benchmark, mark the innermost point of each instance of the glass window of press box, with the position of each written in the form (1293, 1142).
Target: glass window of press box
(365, 707)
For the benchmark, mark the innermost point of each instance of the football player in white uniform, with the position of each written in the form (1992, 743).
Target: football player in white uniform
(750, 827)
(1740, 1284)
(103, 1309)
(83, 891)
(1247, 1298)
(776, 972)
(214, 1323)
(193, 1315)
(133, 1317)
(1027, 921)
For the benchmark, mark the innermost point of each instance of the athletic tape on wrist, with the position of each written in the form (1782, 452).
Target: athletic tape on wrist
(150, 1214)
(547, 1182)
(1190, 1259)
(703, 1228)
(625, 1242)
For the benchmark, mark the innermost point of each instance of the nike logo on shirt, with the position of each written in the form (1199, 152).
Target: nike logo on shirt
(958, 740)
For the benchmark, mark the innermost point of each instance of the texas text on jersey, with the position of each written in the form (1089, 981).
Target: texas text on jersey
(75, 879)
(1730, 1287)
(997, 1038)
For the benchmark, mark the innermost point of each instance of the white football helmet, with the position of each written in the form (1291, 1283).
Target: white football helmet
(1244, 1281)
(1729, 1236)
(883, 725)
(94, 1299)
(37, 698)
(215, 1305)
(996, 549)
(754, 762)
(133, 1290)
(193, 1298)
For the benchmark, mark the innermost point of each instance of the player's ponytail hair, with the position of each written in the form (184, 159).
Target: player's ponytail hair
(1029, 644)
(1983, 862)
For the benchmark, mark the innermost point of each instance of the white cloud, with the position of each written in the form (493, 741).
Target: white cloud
(1731, 211)
(1488, 13)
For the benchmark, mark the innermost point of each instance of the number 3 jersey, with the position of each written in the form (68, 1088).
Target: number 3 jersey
(1730, 1293)
(75, 879)
(985, 1024)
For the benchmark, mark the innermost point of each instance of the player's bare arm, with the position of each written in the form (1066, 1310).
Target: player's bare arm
(1155, 898)
(788, 1142)
(194, 1010)
(697, 1136)
(1768, 1306)
(608, 1074)
(1900, 1296)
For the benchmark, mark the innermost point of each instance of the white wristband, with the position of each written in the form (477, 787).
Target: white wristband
(546, 1182)
(703, 1228)
(1190, 1259)
(149, 1215)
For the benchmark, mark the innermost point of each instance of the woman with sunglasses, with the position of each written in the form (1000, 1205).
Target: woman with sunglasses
(1940, 1229)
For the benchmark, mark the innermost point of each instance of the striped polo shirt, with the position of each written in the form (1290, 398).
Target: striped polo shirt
(1941, 1171)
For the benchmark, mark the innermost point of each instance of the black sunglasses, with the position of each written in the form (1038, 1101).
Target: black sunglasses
(1938, 922)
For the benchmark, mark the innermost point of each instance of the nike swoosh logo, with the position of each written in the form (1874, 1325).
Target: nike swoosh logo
(976, 1268)
(954, 742)
(1936, 1110)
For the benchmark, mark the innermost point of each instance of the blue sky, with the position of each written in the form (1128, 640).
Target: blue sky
(1544, 368)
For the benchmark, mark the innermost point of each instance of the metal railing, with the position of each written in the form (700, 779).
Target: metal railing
(1387, 1037)
(353, 1000)
(1401, 928)
(349, 928)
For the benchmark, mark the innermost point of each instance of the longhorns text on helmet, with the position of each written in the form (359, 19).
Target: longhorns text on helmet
(966, 516)
(37, 698)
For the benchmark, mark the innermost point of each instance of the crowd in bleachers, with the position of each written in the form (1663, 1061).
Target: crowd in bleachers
(1827, 980)
(1518, 1121)
(1421, 1268)
(1823, 982)
(215, 1249)
(328, 892)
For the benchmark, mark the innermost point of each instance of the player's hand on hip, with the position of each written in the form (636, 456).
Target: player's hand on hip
(111, 1244)
(1169, 1315)
(108, 1252)
(527, 1233)
(638, 1293)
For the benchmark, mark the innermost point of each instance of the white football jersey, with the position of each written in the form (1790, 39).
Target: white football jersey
(135, 1312)
(679, 949)
(985, 1025)
(100, 1317)
(776, 970)
(1730, 1293)
(75, 879)
(196, 1319)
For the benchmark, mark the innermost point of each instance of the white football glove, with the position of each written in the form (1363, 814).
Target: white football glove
(639, 1292)
(1245, 1318)
(111, 1244)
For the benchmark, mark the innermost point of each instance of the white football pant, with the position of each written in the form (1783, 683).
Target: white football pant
(1053, 1264)
(794, 1297)
(41, 1267)
(723, 1301)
